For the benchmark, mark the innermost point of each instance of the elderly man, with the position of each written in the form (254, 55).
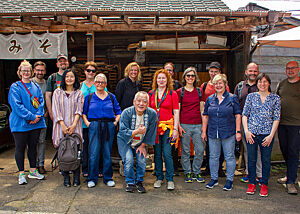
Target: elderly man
(242, 89)
(289, 127)
(137, 128)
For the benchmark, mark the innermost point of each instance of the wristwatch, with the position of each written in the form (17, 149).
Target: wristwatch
(239, 132)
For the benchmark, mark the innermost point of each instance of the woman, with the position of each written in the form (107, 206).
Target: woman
(261, 117)
(67, 104)
(127, 87)
(101, 113)
(222, 122)
(165, 102)
(190, 125)
(87, 87)
(26, 119)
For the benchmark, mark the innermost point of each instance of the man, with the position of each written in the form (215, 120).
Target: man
(169, 66)
(54, 80)
(242, 89)
(137, 128)
(39, 69)
(289, 126)
(208, 89)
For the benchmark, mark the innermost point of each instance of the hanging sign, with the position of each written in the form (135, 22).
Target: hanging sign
(33, 46)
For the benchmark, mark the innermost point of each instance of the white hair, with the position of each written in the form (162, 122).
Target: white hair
(141, 93)
(101, 75)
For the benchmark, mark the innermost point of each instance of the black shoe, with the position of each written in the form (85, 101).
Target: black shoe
(130, 188)
(67, 182)
(221, 173)
(140, 188)
(205, 172)
(76, 178)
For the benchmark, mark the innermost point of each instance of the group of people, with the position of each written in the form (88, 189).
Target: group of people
(167, 116)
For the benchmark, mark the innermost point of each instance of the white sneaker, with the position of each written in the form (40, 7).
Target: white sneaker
(158, 183)
(36, 175)
(22, 179)
(91, 184)
(170, 185)
(111, 183)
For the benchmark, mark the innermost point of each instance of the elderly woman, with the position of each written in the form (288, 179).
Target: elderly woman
(261, 117)
(26, 119)
(101, 113)
(67, 103)
(127, 87)
(165, 102)
(222, 125)
(190, 125)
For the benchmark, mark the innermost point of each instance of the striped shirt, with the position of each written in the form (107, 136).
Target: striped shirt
(65, 108)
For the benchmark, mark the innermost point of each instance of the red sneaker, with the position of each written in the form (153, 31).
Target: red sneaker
(263, 191)
(251, 189)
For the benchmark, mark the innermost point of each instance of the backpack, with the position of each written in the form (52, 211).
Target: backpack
(89, 100)
(68, 153)
(53, 80)
(239, 89)
(183, 90)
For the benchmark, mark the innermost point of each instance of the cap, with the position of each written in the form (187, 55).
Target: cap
(215, 65)
(62, 56)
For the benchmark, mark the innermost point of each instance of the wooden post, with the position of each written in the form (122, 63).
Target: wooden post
(247, 40)
(90, 38)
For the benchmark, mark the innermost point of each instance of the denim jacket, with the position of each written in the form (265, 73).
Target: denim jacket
(221, 117)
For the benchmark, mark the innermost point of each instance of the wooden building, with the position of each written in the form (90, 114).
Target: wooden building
(114, 32)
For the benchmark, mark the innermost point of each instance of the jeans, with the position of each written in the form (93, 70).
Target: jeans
(289, 141)
(228, 146)
(130, 177)
(258, 162)
(41, 148)
(163, 148)
(192, 131)
(94, 152)
(265, 159)
(27, 140)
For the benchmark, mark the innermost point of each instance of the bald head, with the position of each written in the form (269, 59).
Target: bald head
(292, 71)
(251, 73)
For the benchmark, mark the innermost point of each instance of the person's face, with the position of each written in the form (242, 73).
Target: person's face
(39, 71)
(141, 103)
(213, 72)
(70, 79)
(263, 85)
(190, 77)
(220, 86)
(252, 72)
(100, 83)
(90, 72)
(25, 72)
(62, 64)
(292, 70)
(133, 72)
(170, 69)
(162, 80)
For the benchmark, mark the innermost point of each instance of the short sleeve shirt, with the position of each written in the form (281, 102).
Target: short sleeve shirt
(209, 90)
(50, 87)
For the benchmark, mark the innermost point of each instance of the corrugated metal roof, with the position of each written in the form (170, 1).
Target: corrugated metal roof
(7, 6)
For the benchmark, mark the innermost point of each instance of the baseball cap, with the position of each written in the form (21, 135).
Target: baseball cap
(62, 56)
(215, 65)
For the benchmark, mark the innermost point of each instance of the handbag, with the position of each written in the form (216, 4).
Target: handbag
(34, 100)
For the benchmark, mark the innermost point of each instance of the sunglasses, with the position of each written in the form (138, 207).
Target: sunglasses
(91, 70)
(190, 75)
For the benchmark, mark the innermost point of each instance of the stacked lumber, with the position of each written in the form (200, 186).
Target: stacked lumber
(147, 76)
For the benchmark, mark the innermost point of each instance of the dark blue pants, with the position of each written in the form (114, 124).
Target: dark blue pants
(265, 159)
(289, 141)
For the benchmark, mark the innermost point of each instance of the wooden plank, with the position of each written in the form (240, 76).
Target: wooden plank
(36, 21)
(91, 46)
(126, 20)
(185, 20)
(67, 21)
(14, 23)
(96, 20)
(216, 20)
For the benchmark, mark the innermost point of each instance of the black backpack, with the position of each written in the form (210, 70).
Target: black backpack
(68, 153)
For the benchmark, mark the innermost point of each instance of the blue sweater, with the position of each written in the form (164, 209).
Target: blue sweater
(22, 110)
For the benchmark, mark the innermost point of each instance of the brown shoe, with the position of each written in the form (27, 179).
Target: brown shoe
(291, 189)
(41, 170)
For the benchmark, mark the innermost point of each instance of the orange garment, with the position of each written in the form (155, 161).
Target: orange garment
(163, 126)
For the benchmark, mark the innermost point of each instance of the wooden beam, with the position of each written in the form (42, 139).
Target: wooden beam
(96, 20)
(90, 46)
(156, 20)
(216, 20)
(126, 20)
(14, 23)
(67, 21)
(185, 20)
(36, 21)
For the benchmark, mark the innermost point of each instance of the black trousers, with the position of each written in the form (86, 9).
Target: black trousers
(23, 139)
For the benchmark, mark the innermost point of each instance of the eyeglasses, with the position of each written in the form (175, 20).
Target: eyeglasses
(26, 71)
(100, 82)
(91, 70)
(39, 70)
(190, 75)
(290, 68)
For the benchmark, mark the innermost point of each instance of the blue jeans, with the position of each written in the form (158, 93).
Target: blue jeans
(94, 152)
(130, 177)
(163, 148)
(228, 146)
(265, 159)
(192, 131)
